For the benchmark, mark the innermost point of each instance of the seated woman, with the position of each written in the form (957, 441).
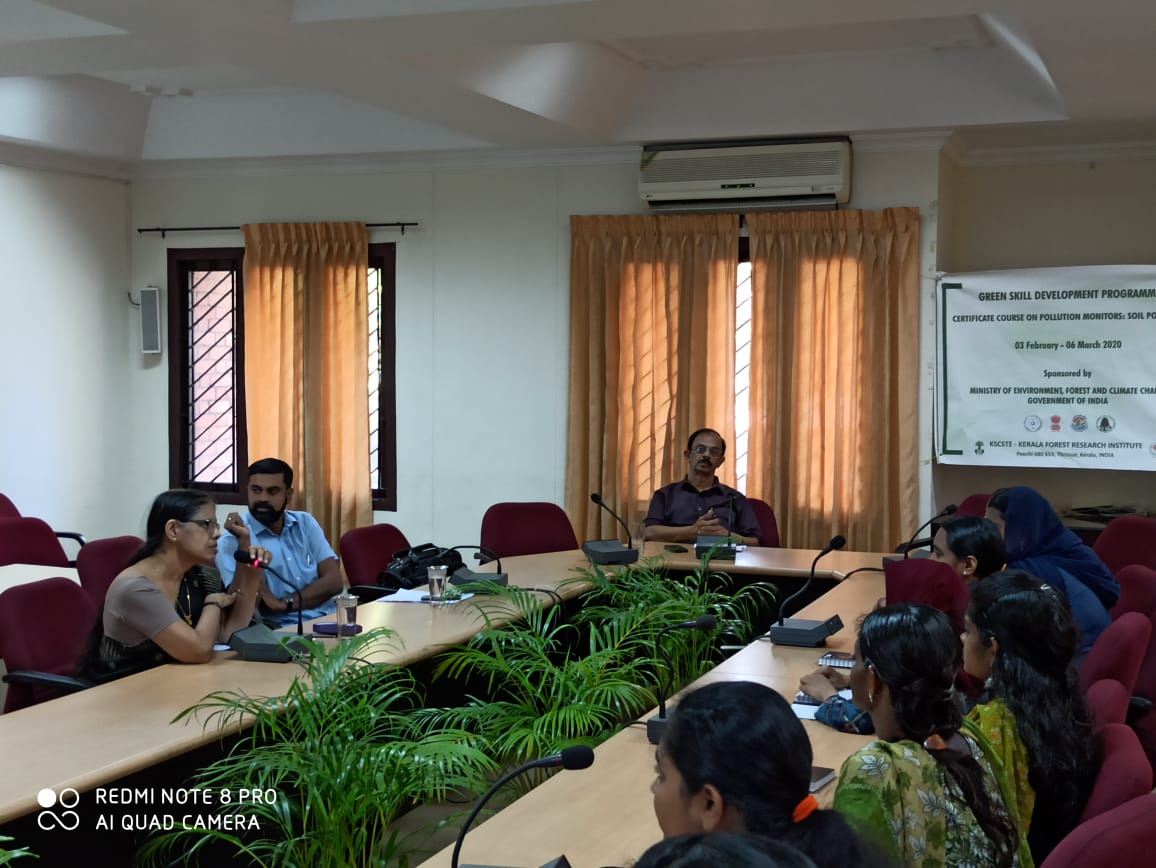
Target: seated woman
(164, 606)
(1020, 639)
(734, 758)
(715, 849)
(1039, 544)
(927, 790)
(971, 545)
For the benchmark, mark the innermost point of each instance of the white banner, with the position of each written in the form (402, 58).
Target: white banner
(1047, 367)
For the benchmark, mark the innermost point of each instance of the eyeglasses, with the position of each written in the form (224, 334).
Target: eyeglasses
(712, 451)
(209, 524)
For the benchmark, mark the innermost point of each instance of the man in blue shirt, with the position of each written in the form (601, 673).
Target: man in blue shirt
(307, 572)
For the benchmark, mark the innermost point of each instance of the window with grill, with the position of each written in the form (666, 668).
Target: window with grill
(208, 446)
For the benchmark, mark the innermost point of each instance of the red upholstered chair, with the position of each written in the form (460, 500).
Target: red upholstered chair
(1125, 773)
(366, 551)
(101, 561)
(1137, 590)
(974, 504)
(1119, 652)
(30, 541)
(1130, 539)
(43, 628)
(933, 583)
(531, 528)
(767, 523)
(1109, 702)
(1120, 838)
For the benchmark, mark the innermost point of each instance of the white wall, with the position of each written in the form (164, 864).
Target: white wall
(1085, 213)
(67, 443)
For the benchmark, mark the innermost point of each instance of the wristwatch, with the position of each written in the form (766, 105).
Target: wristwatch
(288, 601)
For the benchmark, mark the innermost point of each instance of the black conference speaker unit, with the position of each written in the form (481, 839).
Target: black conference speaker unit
(261, 644)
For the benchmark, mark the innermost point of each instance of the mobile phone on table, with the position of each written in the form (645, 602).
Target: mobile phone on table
(820, 777)
(838, 659)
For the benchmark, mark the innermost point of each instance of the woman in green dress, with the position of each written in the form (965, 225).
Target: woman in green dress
(928, 790)
(1021, 639)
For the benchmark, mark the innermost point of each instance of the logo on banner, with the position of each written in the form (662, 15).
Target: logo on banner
(979, 447)
(1080, 423)
(1152, 449)
(1056, 420)
(1105, 424)
(1033, 423)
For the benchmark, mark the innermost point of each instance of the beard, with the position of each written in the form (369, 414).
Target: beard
(266, 513)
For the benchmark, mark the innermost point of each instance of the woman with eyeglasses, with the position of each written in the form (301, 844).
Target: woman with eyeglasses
(928, 791)
(165, 606)
(1019, 638)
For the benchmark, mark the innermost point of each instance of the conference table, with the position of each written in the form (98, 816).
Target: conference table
(101, 735)
(603, 816)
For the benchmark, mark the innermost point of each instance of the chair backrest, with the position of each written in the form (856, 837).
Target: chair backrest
(1124, 836)
(1130, 539)
(1109, 702)
(1119, 651)
(1146, 679)
(43, 627)
(30, 541)
(366, 551)
(933, 583)
(530, 528)
(973, 504)
(1137, 590)
(1124, 773)
(767, 523)
(8, 508)
(100, 561)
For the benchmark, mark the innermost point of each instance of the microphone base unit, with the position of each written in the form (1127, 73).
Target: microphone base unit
(560, 862)
(720, 548)
(465, 577)
(804, 633)
(609, 552)
(261, 644)
(655, 727)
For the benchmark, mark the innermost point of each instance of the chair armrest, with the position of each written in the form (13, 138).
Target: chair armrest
(1138, 707)
(72, 535)
(29, 678)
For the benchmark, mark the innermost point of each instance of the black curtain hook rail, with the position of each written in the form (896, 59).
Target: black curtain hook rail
(164, 230)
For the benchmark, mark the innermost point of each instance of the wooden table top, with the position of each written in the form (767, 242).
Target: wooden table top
(604, 815)
(100, 735)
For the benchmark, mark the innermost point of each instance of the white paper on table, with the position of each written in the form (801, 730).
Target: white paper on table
(416, 595)
(807, 712)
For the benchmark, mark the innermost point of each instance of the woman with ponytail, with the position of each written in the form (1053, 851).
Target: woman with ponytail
(165, 605)
(734, 758)
(1021, 639)
(927, 790)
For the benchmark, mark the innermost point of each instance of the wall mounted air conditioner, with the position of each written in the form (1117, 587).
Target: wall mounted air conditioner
(747, 176)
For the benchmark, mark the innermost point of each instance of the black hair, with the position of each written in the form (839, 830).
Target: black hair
(694, 436)
(744, 739)
(176, 504)
(978, 537)
(1034, 673)
(714, 849)
(273, 465)
(998, 500)
(916, 652)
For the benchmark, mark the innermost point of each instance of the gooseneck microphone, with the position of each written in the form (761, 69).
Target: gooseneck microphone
(801, 631)
(912, 543)
(577, 757)
(608, 552)
(657, 724)
(257, 564)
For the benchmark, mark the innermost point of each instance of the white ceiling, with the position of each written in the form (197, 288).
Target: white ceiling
(142, 83)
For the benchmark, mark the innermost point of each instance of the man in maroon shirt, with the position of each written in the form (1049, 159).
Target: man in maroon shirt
(700, 505)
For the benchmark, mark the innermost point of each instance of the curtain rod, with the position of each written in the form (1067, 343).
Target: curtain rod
(166, 229)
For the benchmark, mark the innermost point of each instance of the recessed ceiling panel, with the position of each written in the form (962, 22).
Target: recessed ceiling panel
(29, 21)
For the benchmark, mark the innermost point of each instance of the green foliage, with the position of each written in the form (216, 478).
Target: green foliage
(6, 856)
(344, 754)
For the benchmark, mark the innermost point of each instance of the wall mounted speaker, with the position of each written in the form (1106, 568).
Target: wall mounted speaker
(150, 320)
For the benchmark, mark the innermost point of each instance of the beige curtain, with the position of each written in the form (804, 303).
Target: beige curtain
(652, 345)
(306, 363)
(834, 359)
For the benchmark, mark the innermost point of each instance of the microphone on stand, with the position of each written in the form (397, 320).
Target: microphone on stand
(801, 631)
(577, 757)
(608, 552)
(657, 724)
(912, 543)
(258, 564)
